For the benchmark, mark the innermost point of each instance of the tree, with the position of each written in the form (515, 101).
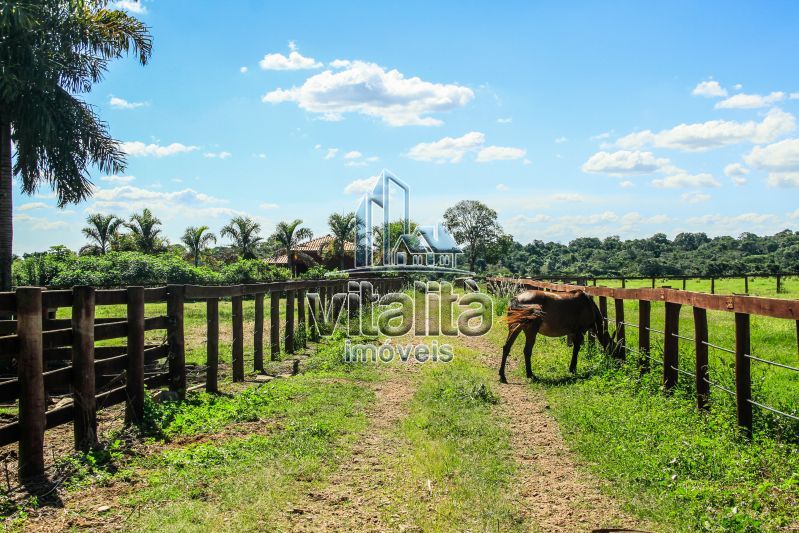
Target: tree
(196, 241)
(51, 51)
(289, 235)
(343, 229)
(474, 224)
(243, 231)
(144, 228)
(102, 229)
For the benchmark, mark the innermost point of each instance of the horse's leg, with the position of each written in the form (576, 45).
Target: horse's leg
(512, 334)
(529, 342)
(578, 341)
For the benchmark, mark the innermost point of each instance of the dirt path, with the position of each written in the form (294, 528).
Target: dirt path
(551, 489)
(352, 499)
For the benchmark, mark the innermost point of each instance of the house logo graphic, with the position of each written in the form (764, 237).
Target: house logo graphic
(393, 245)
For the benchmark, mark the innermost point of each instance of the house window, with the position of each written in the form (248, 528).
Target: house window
(445, 260)
(431, 258)
(401, 258)
(417, 259)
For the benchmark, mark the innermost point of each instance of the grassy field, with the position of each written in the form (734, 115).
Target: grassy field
(758, 286)
(671, 463)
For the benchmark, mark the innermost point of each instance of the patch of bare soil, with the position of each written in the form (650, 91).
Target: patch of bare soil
(552, 490)
(353, 498)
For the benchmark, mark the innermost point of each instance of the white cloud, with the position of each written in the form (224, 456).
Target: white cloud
(683, 180)
(624, 163)
(729, 221)
(499, 153)
(121, 103)
(139, 149)
(793, 96)
(260, 156)
(535, 219)
(39, 223)
(268, 205)
(134, 6)
(709, 89)
(781, 159)
(783, 179)
(448, 149)
(561, 140)
(217, 155)
(505, 120)
(527, 162)
(353, 154)
(626, 184)
(361, 186)
(736, 172)
(331, 153)
(168, 205)
(117, 179)
(243, 70)
(713, 134)
(694, 197)
(502, 187)
(368, 89)
(294, 61)
(794, 215)
(750, 101)
(31, 206)
(600, 136)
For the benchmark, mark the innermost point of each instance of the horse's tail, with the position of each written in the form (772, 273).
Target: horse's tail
(523, 315)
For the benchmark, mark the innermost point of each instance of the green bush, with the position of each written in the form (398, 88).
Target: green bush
(61, 268)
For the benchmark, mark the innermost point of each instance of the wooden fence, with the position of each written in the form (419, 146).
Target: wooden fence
(101, 376)
(742, 306)
(592, 280)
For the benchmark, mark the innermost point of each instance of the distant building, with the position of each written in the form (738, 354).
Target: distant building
(316, 252)
(426, 246)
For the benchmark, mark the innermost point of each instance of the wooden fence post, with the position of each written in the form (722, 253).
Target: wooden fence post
(83, 390)
(238, 338)
(712, 285)
(274, 324)
(671, 346)
(779, 284)
(313, 309)
(644, 320)
(623, 283)
(700, 347)
(175, 334)
(603, 310)
(746, 284)
(212, 348)
(289, 340)
(32, 421)
(684, 281)
(621, 336)
(134, 381)
(743, 378)
(653, 282)
(258, 335)
(301, 318)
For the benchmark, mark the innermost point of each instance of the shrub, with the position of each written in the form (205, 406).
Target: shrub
(253, 271)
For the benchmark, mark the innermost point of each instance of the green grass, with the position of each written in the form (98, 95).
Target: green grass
(758, 286)
(456, 462)
(672, 464)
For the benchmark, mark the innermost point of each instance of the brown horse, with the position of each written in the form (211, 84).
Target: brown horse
(569, 314)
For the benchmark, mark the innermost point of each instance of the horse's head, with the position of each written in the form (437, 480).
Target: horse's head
(608, 342)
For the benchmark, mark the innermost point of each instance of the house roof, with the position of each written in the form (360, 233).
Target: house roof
(314, 245)
(439, 239)
(413, 244)
(317, 244)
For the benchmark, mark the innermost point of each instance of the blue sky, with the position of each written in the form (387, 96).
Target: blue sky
(587, 119)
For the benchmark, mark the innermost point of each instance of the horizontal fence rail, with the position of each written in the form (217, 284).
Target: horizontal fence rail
(743, 307)
(59, 357)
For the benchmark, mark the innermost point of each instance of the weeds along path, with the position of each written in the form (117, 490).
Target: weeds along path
(353, 498)
(551, 490)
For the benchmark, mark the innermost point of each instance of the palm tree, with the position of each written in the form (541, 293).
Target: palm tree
(102, 229)
(52, 51)
(343, 229)
(196, 240)
(289, 235)
(145, 231)
(243, 231)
